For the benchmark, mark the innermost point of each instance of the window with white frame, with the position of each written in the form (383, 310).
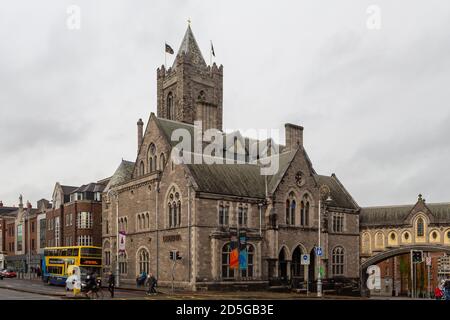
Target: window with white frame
(84, 220)
(84, 240)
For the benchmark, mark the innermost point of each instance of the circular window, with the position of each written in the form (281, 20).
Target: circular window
(434, 235)
(392, 236)
(406, 236)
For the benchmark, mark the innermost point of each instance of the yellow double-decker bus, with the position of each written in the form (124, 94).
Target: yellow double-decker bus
(59, 261)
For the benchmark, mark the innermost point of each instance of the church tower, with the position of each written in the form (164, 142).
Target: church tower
(191, 90)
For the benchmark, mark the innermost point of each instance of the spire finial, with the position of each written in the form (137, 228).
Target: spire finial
(189, 22)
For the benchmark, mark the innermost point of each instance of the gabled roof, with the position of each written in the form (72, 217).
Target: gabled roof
(68, 189)
(398, 215)
(122, 174)
(91, 187)
(190, 47)
(340, 198)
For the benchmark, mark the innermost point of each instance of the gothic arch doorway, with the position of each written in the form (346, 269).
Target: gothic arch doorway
(282, 266)
(297, 269)
(312, 270)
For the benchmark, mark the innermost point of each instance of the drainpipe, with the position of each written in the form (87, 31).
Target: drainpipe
(260, 219)
(157, 230)
(189, 230)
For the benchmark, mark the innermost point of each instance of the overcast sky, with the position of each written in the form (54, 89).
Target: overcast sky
(374, 102)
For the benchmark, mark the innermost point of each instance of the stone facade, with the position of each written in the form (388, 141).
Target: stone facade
(163, 206)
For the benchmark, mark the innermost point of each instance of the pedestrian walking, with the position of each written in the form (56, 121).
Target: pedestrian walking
(111, 283)
(151, 284)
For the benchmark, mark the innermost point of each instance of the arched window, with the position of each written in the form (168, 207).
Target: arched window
(147, 218)
(123, 264)
(139, 222)
(227, 272)
(144, 261)
(302, 213)
(420, 227)
(156, 162)
(170, 107)
(162, 160)
(174, 208)
(379, 240)
(141, 168)
(298, 270)
(338, 261)
(151, 154)
(290, 209)
(366, 243)
(248, 272)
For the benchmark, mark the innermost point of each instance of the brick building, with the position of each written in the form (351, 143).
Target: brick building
(75, 216)
(198, 209)
(22, 248)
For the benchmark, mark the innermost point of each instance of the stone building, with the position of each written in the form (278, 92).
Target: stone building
(75, 216)
(197, 209)
(20, 237)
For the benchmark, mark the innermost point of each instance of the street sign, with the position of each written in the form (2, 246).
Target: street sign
(305, 259)
(428, 261)
(319, 251)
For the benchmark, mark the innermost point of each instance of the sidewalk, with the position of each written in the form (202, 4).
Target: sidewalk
(132, 292)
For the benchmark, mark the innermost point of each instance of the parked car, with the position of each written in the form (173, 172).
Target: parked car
(8, 273)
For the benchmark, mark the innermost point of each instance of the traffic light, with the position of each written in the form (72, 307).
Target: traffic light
(417, 256)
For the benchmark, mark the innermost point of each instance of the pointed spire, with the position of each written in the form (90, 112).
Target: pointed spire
(190, 47)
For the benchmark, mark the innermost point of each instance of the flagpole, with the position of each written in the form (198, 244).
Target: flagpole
(165, 57)
(210, 54)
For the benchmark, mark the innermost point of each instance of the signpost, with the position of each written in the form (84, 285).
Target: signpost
(305, 259)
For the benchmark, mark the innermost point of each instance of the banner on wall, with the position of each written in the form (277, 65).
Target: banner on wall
(122, 240)
(234, 253)
(243, 251)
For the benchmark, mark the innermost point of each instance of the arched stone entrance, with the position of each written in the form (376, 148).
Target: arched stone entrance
(282, 266)
(297, 269)
(392, 253)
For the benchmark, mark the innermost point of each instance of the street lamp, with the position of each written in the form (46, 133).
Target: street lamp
(325, 192)
(28, 212)
(116, 195)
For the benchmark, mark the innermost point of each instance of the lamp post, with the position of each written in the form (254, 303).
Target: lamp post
(325, 191)
(28, 238)
(116, 195)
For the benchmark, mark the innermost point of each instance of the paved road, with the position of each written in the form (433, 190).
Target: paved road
(6, 294)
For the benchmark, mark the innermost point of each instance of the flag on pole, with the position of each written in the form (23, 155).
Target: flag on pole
(169, 49)
(212, 50)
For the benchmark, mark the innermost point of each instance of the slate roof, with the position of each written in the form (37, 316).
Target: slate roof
(242, 180)
(122, 174)
(340, 198)
(190, 47)
(91, 187)
(396, 215)
(68, 189)
(8, 211)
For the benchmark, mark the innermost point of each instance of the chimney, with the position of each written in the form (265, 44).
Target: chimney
(294, 136)
(140, 126)
(1, 203)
